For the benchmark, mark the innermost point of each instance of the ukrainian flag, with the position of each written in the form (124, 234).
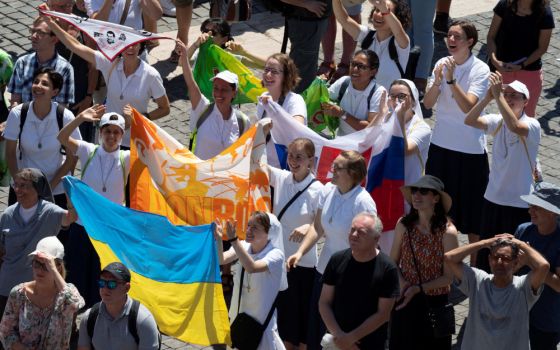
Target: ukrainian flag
(175, 269)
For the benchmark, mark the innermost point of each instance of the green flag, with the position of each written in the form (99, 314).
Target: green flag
(211, 60)
(314, 95)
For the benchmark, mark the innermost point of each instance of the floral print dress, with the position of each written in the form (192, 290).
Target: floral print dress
(39, 328)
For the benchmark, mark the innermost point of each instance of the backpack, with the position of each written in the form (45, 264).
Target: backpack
(413, 55)
(231, 10)
(23, 116)
(132, 319)
(242, 122)
(344, 86)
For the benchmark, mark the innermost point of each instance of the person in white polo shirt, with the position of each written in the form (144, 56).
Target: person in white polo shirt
(514, 154)
(214, 125)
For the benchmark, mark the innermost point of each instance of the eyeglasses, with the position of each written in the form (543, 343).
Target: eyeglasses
(359, 65)
(423, 191)
(36, 264)
(400, 97)
(335, 167)
(514, 95)
(109, 284)
(39, 33)
(504, 258)
(272, 71)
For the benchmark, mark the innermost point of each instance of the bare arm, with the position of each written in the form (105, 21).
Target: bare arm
(464, 100)
(104, 11)
(250, 59)
(512, 122)
(553, 280)
(11, 157)
(315, 232)
(162, 110)
(491, 46)
(250, 265)
(349, 25)
(473, 118)
(151, 8)
(71, 43)
(538, 264)
(454, 258)
(432, 94)
(337, 111)
(194, 91)
(67, 166)
(397, 29)
(342, 339)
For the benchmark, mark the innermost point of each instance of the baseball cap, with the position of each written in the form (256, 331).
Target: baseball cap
(51, 246)
(519, 87)
(228, 76)
(112, 119)
(118, 270)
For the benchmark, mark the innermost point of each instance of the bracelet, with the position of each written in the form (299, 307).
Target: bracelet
(452, 81)
(385, 13)
(232, 239)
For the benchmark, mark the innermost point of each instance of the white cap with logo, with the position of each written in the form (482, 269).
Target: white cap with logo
(112, 119)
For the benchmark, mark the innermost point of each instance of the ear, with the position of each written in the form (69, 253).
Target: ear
(56, 92)
(127, 286)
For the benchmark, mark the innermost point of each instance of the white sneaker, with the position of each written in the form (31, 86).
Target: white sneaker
(168, 8)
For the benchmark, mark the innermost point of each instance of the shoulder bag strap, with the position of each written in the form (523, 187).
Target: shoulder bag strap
(240, 289)
(291, 201)
(533, 169)
(414, 258)
(125, 12)
(22, 118)
(395, 56)
(269, 316)
(89, 161)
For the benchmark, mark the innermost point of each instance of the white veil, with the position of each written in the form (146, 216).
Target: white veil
(276, 239)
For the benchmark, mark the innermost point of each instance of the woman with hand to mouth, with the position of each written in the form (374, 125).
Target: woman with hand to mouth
(341, 201)
(359, 94)
(296, 218)
(390, 19)
(216, 125)
(421, 238)
(261, 274)
(457, 152)
(105, 169)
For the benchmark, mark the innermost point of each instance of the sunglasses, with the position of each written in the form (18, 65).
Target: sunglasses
(36, 264)
(423, 191)
(109, 284)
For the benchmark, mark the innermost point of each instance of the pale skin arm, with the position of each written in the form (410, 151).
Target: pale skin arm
(315, 232)
(151, 8)
(49, 262)
(71, 43)
(396, 27)
(474, 118)
(512, 122)
(357, 124)
(432, 94)
(349, 25)
(162, 110)
(553, 280)
(194, 91)
(299, 118)
(536, 262)
(464, 100)
(250, 59)
(104, 11)
(11, 158)
(68, 166)
(92, 114)
(401, 111)
(250, 265)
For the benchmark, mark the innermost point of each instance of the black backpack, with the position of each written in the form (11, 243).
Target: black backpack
(132, 318)
(413, 55)
(23, 116)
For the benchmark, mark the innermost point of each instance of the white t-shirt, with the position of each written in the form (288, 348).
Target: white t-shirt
(510, 172)
(104, 170)
(419, 133)
(133, 19)
(215, 134)
(43, 133)
(137, 89)
(302, 211)
(338, 210)
(450, 131)
(355, 102)
(259, 291)
(388, 70)
(294, 104)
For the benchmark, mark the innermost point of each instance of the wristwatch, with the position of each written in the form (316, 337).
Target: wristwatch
(452, 81)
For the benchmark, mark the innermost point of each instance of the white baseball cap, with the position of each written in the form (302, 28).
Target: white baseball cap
(228, 77)
(519, 87)
(112, 119)
(51, 246)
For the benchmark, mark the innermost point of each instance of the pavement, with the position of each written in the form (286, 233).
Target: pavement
(263, 34)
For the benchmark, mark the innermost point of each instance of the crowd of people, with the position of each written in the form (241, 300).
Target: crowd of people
(363, 288)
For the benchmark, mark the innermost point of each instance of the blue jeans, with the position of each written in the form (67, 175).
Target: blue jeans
(421, 33)
(305, 38)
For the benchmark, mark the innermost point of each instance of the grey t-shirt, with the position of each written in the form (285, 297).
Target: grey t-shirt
(18, 239)
(112, 333)
(498, 317)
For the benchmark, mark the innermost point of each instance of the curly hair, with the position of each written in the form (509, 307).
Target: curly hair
(291, 73)
(401, 11)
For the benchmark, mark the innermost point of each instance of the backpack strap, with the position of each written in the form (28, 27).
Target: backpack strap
(92, 318)
(199, 122)
(394, 55)
(60, 121)
(89, 161)
(343, 88)
(121, 161)
(368, 40)
(370, 96)
(22, 118)
(242, 120)
(132, 319)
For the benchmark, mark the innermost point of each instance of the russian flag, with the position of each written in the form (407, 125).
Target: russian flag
(382, 146)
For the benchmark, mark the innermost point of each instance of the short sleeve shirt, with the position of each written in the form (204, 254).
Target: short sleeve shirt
(388, 70)
(133, 18)
(511, 171)
(338, 210)
(294, 104)
(355, 102)
(25, 68)
(39, 144)
(450, 131)
(419, 133)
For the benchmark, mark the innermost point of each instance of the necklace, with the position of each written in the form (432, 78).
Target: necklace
(40, 135)
(103, 176)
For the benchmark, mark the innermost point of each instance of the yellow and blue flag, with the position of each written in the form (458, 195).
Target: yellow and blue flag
(175, 269)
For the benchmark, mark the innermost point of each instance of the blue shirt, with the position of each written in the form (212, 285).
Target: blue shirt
(545, 314)
(25, 68)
